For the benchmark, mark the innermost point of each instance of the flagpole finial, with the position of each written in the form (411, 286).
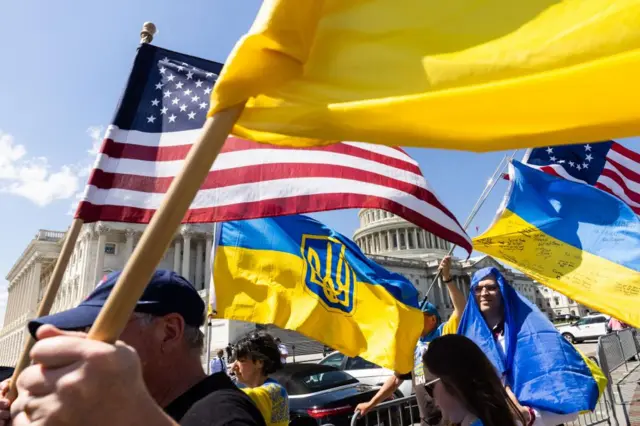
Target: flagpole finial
(147, 33)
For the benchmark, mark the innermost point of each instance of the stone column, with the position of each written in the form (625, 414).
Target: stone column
(177, 248)
(397, 232)
(198, 281)
(186, 252)
(406, 237)
(35, 287)
(11, 301)
(102, 240)
(85, 285)
(130, 235)
(208, 260)
(444, 293)
(389, 244)
(21, 292)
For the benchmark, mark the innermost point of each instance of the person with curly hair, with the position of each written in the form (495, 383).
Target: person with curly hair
(256, 357)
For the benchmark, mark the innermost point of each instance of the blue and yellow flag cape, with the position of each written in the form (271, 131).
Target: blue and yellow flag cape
(478, 75)
(294, 272)
(542, 369)
(572, 237)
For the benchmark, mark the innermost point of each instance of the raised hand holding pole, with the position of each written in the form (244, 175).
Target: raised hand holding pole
(483, 196)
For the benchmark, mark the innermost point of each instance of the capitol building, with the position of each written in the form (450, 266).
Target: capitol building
(105, 247)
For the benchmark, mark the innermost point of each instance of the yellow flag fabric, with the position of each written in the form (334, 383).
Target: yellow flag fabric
(572, 237)
(476, 75)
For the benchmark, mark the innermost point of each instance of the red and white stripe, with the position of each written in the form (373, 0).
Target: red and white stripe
(250, 180)
(621, 175)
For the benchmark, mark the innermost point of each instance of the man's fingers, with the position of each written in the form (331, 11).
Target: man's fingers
(63, 350)
(38, 380)
(47, 331)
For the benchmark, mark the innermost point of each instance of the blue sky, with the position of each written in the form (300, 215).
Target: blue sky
(64, 66)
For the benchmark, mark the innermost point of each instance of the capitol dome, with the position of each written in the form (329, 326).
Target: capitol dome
(383, 233)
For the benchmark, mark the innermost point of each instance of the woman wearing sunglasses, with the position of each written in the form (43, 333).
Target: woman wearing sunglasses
(467, 389)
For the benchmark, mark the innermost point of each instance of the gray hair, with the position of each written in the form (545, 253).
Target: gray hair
(192, 336)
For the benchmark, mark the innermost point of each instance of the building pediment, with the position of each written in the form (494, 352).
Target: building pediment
(484, 262)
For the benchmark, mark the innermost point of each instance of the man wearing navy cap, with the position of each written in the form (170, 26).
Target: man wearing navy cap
(157, 379)
(433, 327)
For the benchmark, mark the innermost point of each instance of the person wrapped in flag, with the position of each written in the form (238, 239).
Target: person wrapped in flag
(550, 381)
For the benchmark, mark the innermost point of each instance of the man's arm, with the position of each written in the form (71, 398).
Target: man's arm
(457, 298)
(387, 389)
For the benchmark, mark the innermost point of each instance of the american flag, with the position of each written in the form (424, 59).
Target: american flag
(160, 115)
(605, 165)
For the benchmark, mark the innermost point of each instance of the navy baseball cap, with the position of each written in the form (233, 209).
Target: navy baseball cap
(166, 293)
(430, 309)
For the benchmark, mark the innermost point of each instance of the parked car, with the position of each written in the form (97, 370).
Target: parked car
(5, 373)
(587, 328)
(321, 394)
(365, 371)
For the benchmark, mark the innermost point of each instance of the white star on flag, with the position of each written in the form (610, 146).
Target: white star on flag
(155, 102)
(192, 115)
(172, 118)
(151, 119)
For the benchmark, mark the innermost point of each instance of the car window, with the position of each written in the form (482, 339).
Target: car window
(598, 320)
(358, 363)
(323, 381)
(334, 360)
(583, 321)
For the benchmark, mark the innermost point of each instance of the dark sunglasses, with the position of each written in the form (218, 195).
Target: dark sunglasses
(428, 387)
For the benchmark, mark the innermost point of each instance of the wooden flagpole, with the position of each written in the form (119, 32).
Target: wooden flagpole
(47, 300)
(159, 234)
(146, 36)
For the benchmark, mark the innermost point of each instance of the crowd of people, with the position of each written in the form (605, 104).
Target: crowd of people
(496, 361)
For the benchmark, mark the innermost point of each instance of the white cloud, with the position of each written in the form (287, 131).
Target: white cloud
(34, 179)
(96, 133)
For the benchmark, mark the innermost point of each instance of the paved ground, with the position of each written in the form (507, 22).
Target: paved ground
(588, 348)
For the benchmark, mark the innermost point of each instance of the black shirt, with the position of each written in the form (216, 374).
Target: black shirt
(214, 401)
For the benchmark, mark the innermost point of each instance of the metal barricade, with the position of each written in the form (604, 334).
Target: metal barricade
(627, 344)
(601, 414)
(610, 352)
(398, 412)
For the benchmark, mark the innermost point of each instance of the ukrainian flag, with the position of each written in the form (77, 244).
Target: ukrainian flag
(572, 237)
(294, 272)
